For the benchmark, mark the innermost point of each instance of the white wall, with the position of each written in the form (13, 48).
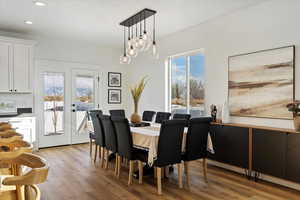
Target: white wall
(267, 25)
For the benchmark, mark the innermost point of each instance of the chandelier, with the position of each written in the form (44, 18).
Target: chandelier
(138, 39)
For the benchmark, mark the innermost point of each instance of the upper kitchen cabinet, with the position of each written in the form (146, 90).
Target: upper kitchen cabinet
(16, 65)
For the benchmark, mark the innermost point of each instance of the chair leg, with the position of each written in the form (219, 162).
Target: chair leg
(96, 150)
(179, 166)
(140, 164)
(91, 147)
(167, 171)
(204, 164)
(119, 166)
(116, 165)
(155, 172)
(187, 172)
(102, 157)
(158, 169)
(106, 158)
(131, 165)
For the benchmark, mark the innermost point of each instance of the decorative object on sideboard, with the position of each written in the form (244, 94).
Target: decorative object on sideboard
(213, 112)
(294, 108)
(261, 83)
(139, 39)
(114, 79)
(114, 96)
(225, 113)
(136, 93)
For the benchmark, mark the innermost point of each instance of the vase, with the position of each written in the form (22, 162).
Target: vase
(297, 123)
(135, 117)
(225, 113)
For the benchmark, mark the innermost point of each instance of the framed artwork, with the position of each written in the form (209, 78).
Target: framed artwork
(114, 96)
(262, 83)
(114, 79)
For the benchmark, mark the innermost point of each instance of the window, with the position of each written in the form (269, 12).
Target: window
(186, 80)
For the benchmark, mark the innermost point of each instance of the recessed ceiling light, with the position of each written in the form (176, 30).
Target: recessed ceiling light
(39, 3)
(28, 22)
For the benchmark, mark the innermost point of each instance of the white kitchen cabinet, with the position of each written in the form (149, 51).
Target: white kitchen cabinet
(16, 65)
(5, 67)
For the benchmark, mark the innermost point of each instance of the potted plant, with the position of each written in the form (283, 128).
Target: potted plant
(294, 107)
(136, 93)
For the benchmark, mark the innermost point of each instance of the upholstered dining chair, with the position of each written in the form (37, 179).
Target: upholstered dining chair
(110, 139)
(181, 116)
(196, 144)
(148, 115)
(98, 131)
(126, 149)
(117, 113)
(92, 134)
(169, 149)
(162, 116)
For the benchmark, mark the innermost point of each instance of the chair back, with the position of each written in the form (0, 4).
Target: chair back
(181, 116)
(124, 137)
(98, 129)
(170, 142)
(109, 133)
(117, 113)
(148, 116)
(196, 141)
(162, 116)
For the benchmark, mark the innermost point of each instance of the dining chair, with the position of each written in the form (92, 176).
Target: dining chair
(148, 115)
(98, 131)
(126, 149)
(196, 144)
(117, 113)
(162, 116)
(110, 140)
(169, 149)
(181, 116)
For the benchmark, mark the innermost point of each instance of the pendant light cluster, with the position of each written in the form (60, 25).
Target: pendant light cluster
(138, 39)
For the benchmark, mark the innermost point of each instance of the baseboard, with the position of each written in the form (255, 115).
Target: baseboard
(279, 181)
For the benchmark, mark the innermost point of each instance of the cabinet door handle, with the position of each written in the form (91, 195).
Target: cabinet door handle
(10, 90)
(15, 90)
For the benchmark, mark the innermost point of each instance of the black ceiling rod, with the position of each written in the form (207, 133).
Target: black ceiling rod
(154, 29)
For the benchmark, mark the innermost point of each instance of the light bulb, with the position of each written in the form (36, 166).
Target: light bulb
(132, 51)
(154, 50)
(148, 44)
(125, 59)
(145, 36)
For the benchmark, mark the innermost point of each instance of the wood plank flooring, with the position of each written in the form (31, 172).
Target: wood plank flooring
(74, 176)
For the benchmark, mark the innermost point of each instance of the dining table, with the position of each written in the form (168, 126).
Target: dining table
(147, 137)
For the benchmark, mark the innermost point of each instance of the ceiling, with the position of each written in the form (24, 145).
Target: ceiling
(98, 21)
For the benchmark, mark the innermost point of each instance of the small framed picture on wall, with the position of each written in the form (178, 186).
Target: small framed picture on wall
(114, 96)
(114, 79)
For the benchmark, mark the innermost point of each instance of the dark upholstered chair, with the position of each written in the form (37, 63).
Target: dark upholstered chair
(110, 139)
(181, 116)
(162, 116)
(148, 116)
(117, 113)
(92, 135)
(169, 149)
(196, 144)
(98, 130)
(125, 147)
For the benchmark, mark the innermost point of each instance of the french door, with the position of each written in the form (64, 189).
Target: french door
(64, 97)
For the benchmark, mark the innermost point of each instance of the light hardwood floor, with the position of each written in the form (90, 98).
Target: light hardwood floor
(74, 176)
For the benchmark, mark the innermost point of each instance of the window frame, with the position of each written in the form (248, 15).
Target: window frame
(187, 56)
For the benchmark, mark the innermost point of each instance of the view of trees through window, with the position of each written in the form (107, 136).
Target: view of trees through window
(187, 84)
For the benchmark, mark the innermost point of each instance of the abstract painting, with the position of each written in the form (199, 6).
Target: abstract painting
(261, 84)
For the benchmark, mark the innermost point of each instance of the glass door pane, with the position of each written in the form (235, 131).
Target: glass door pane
(53, 98)
(84, 99)
(178, 85)
(196, 84)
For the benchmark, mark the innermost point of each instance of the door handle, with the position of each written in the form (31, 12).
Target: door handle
(73, 105)
(73, 110)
